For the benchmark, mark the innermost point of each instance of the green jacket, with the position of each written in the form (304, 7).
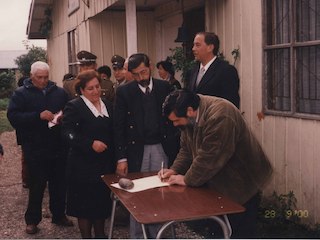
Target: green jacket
(222, 152)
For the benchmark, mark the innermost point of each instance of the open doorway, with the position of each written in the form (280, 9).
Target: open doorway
(195, 22)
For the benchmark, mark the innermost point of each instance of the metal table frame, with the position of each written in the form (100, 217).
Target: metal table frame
(219, 214)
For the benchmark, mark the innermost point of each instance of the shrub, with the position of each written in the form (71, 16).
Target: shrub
(4, 104)
(280, 218)
(7, 84)
(4, 123)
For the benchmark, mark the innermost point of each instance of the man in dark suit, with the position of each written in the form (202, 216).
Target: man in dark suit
(213, 76)
(144, 138)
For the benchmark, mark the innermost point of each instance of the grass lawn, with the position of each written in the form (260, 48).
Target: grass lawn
(4, 123)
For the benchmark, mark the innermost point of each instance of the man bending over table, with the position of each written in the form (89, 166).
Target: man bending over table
(218, 150)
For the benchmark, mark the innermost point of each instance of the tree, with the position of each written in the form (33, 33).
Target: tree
(25, 61)
(181, 63)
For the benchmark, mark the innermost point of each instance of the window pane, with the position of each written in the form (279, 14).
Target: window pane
(308, 79)
(308, 20)
(278, 79)
(278, 22)
(72, 52)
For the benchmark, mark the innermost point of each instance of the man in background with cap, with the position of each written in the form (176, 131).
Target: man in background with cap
(86, 61)
(107, 90)
(118, 70)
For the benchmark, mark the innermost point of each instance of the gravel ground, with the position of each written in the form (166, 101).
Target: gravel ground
(13, 202)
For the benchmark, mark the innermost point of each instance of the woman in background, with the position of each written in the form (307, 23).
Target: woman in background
(87, 127)
(166, 72)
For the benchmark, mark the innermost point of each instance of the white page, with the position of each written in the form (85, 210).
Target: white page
(142, 184)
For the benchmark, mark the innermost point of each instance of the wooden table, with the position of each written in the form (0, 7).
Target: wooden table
(172, 204)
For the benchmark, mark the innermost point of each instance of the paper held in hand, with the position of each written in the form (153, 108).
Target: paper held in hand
(145, 183)
(55, 119)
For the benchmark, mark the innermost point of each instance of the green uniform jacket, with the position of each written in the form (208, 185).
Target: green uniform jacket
(222, 152)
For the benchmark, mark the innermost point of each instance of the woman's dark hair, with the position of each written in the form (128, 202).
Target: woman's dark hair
(211, 38)
(84, 77)
(105, 69)
(136, 59)
(166, 66)
(179, 101)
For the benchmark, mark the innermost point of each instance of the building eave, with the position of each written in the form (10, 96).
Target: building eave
(36, 17)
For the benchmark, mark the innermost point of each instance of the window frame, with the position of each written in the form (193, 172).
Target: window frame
(72, 52)
(292, 46)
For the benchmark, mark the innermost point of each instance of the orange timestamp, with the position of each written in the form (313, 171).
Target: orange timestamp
(271, 213)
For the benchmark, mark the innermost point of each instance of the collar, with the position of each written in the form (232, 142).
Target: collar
(197, 117)
(143, 89)
(92, 108)
(208, 64)
(123, 82)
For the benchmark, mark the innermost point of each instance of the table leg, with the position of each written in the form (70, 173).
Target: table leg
(113, 210)
(144, 231)
(223, 225)
(228, 224)
(164, 226)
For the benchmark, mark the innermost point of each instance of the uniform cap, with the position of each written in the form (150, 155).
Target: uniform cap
(117, 61)
(86, 57)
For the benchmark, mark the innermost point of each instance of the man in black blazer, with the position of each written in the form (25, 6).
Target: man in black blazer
(213, 76)
(136, 123)
(144, 138)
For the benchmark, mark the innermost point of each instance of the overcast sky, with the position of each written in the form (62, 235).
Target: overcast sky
(13, 24)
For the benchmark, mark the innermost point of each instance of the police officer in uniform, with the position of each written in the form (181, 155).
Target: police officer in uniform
(67, 82)
(107, 90)
(86, 61)
(118, 70)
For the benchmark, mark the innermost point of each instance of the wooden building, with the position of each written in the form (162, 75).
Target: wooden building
(279, 45)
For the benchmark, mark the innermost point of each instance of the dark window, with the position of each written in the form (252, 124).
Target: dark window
(292, 57)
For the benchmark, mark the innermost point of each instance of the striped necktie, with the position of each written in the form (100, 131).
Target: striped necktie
(200, 75)
(147, 91)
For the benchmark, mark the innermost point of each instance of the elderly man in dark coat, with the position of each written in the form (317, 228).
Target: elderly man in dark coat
(34, 111)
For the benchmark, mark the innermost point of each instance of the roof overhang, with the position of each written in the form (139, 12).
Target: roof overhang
(36, 17)
(38, 7)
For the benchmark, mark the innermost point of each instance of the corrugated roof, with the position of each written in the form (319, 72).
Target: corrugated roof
(7, 58)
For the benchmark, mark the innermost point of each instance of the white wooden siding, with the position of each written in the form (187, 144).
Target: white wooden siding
(291, 144)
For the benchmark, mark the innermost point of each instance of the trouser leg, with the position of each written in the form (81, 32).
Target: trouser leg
(153, 156)
(244, 224)
(57, 188)
(135, 229)
(37, 186)
(24, 170)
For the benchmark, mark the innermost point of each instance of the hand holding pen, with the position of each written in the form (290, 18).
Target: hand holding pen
(165, 173)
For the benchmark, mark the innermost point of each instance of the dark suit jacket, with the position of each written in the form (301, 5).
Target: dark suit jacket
(80, 128)
(220, 80)
(128, 123)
